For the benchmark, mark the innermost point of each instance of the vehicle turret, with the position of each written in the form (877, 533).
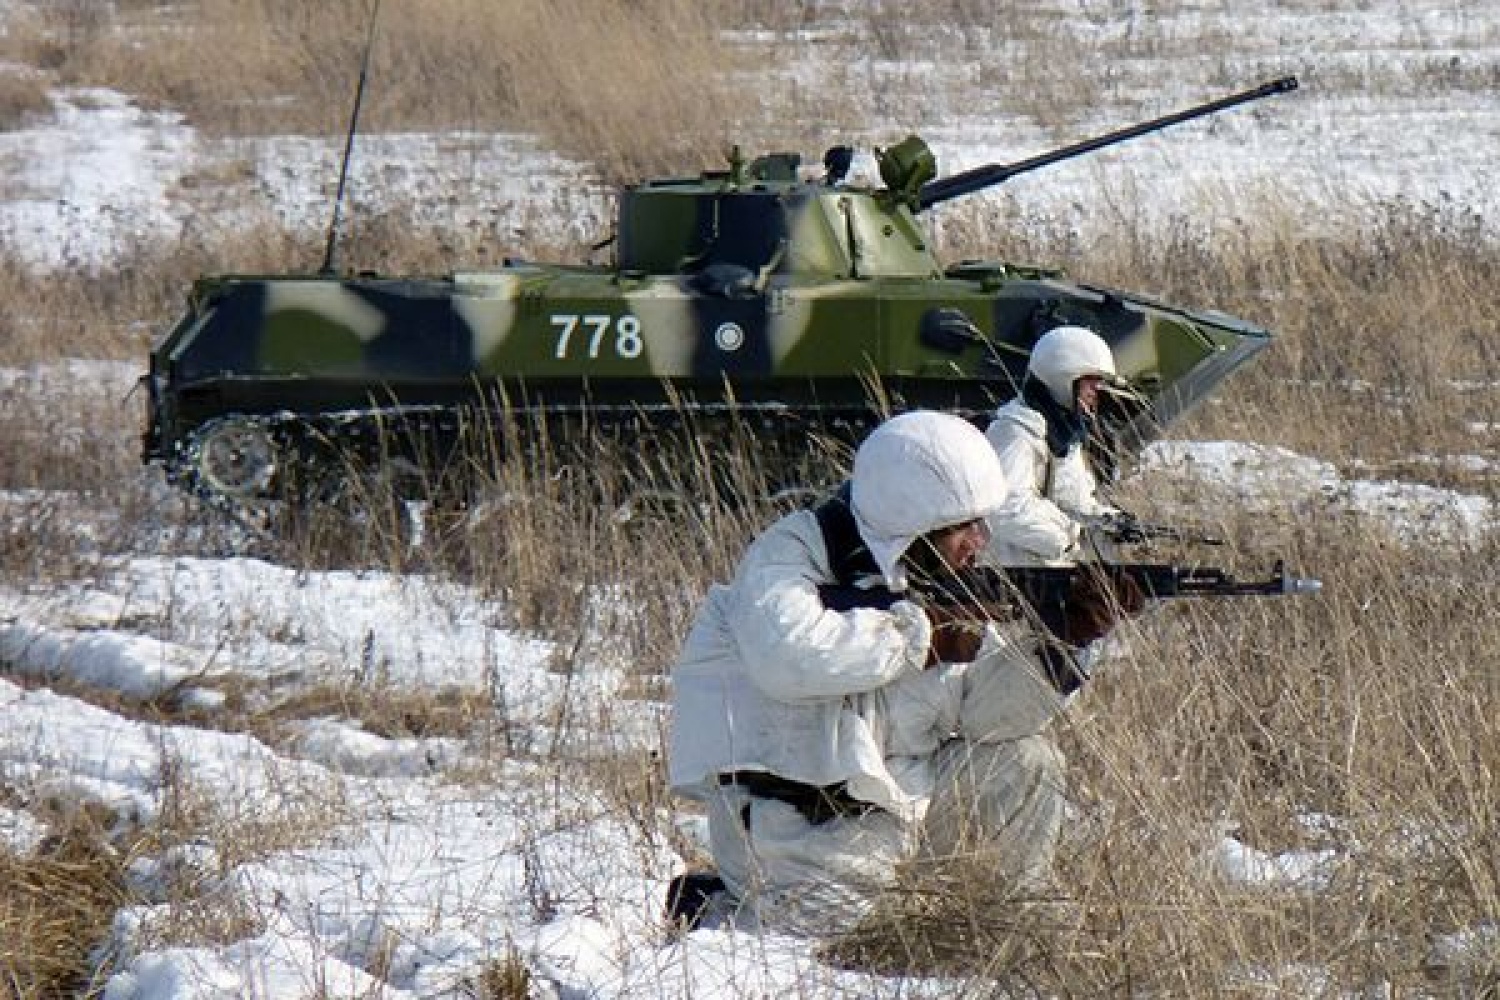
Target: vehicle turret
(736, 227)
(760, 218)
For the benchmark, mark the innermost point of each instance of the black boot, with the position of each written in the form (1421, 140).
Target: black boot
(688, 897)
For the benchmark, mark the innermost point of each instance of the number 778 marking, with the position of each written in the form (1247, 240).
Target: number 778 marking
(627, 342)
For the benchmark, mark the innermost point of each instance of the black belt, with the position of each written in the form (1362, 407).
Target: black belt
(817, 804)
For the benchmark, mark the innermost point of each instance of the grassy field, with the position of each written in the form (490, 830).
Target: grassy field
(1373, 706)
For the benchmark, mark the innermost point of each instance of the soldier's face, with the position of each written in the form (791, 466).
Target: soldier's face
(1086, 394)
(960, 544)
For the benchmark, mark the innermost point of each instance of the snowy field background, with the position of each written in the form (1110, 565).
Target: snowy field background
(1393, 105)
(428, 870)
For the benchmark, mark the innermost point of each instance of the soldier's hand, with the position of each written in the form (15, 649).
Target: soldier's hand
(1128, 594)
(957, 634)
(1097, 603)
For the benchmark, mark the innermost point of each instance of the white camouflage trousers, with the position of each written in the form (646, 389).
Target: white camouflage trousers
(998, 796)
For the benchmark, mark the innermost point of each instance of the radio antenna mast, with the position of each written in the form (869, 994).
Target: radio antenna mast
(359, 93)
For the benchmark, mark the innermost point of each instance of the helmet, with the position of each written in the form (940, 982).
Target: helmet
(1065, 354)
(916, 473)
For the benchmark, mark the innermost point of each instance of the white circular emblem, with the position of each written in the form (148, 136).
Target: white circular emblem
(729, 337)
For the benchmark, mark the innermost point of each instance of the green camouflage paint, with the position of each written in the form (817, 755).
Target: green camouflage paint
(756, 285)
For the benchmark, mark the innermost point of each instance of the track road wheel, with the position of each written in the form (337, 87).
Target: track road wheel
(234, 458)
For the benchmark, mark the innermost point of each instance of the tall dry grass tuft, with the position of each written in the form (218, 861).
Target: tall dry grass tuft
(115, 311)
(1358, 724)
(505, 978)
(589, 529)
(23, 96)
(57, 905)
(1346, 743)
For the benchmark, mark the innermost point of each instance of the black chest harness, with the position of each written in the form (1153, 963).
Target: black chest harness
(848, 556)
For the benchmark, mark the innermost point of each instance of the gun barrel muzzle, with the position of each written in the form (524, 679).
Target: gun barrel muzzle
(1303, 585)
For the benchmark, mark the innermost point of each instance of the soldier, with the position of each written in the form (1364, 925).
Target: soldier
(1040, 438)
(830, 745)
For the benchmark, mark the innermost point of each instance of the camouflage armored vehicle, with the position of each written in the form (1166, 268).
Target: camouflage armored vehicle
(793, 305)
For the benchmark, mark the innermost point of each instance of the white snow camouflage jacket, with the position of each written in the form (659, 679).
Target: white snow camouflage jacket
(770, 679)
(1040, 524)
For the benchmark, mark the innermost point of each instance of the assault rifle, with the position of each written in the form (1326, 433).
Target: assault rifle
(1076, 603)
(983, 586)
(1127, 529)
(1154, 580)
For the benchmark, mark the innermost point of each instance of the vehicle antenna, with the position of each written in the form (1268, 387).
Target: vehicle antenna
(359, 93)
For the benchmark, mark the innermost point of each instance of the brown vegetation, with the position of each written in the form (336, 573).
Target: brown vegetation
(1361, 721)
(66, 891)
(590, 76)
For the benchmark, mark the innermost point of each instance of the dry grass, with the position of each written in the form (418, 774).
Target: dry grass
(23, 95)
(604, 81)
(627, 498)
(505, 978)
(385, 710)
(645, 87)
(58, 902)
(60, 899)
(1361, 721)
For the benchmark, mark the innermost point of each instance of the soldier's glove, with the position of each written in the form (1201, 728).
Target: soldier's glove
(1097, 602)
(957, 634)
(1127, 593)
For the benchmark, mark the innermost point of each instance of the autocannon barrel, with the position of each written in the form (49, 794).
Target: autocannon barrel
(969, 181)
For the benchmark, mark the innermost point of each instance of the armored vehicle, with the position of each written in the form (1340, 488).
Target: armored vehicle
(793, 304)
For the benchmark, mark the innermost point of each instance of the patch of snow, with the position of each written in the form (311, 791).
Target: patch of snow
(1265, 478)
(137, 178)
(20, 832)
(1474, 948)
(1310, 871)
(116, 193)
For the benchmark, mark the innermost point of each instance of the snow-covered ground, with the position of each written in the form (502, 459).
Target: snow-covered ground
(138, 177)
(422, 875)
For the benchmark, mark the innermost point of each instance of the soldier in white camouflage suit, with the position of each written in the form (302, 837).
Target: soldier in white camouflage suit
(1040, 437)
(828, 746)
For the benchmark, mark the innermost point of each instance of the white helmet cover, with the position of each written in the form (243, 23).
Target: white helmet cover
(1065, 354)
(916, 473)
